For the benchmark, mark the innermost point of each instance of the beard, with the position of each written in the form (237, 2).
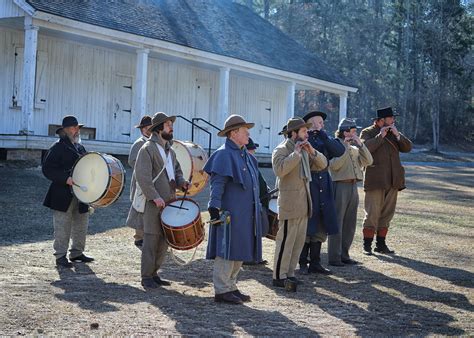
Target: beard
(75, 138)
(167, 136)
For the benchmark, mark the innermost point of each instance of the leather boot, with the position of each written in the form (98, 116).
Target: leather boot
(315, 259)
(304, 258)
(381, 246)
(368, 246)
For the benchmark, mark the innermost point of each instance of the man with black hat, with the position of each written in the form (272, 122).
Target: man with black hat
(323, 220)
(136, 221)
(70, 217)
(383, 179)
(346, 171)
(158, 174)
(235, 233)
(293, 160)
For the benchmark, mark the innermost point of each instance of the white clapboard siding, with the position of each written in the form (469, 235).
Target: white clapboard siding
(91, 82)
(9, 10)
(250, 97)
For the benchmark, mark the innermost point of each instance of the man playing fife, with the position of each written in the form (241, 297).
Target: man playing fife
(292, 162)
(383, 179)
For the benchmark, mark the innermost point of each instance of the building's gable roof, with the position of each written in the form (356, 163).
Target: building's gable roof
(216, 26)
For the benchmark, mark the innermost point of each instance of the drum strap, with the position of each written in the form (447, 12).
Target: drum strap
(168, 162)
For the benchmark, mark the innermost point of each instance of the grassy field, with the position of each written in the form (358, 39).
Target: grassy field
(425, 289)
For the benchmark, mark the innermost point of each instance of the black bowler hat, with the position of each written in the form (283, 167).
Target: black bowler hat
(145, 122)
(313, 114)
(252, 145)
(69, 121)
(283, 130)
(385, 112)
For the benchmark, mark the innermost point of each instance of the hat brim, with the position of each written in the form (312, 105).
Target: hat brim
(313, 114)
(235, 126)
(143, 125)
(376, 117)
(171, 118)
(307, 125)
(61, 128)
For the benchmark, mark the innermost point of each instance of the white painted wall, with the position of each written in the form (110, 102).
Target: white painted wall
(8, 9)
(88, 81)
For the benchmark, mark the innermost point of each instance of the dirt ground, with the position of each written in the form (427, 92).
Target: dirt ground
(426, 289)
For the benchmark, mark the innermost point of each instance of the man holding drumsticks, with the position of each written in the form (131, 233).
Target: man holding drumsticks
(158, 174)
(70, 217)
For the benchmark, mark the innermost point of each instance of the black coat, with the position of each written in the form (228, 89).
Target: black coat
(57, 167)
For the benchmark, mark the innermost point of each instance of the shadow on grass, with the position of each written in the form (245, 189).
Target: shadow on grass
(193, 315)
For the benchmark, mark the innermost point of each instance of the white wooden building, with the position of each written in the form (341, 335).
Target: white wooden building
(109, 63)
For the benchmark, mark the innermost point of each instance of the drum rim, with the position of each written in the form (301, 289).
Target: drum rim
(192, 163)
(182, 226)
(93, 203)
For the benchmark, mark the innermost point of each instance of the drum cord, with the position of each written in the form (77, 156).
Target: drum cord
(183, 263)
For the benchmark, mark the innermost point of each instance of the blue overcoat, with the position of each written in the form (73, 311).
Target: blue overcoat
(324, 208)
(235, 188)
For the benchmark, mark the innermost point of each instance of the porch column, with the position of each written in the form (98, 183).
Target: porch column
(290, 100)
(342, 106)
(140, 91)
(223, 104)
(29, 75)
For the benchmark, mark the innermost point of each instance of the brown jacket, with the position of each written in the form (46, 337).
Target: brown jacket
(148, 165)
(294, 198)
(386, 171)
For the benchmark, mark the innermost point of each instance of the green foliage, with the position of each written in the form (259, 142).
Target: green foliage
(416, 56)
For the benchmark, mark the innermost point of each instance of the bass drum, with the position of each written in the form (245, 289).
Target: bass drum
(192, 159)
(99, 179)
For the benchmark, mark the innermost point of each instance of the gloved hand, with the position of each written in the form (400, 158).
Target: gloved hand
(214, 213)
(323, 135)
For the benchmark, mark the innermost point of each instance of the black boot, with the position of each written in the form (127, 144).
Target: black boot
(304, 258)
(381, 247)
(315, 259)
(368, 246)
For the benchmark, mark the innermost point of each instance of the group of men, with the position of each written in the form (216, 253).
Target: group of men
(317, 179)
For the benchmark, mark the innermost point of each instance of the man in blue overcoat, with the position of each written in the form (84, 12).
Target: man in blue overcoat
(323, 221)
(234, 192)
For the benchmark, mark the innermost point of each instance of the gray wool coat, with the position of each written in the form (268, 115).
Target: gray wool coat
(148, 165)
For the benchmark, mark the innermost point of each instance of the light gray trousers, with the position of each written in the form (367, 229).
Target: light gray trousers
(153, 254)
(347, 201)
(70, 225)
(225, 274)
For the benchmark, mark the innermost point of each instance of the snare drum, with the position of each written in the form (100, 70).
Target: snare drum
(272, 219)
(191, 158)
(183, 227)
(100, 179)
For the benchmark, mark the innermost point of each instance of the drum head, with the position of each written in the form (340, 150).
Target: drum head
(273, 205)
(176, 218)
(184, 158)
(91, 171)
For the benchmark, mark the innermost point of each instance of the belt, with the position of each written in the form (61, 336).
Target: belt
(352, 180)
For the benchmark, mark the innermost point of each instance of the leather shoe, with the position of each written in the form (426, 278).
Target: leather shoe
(139, 244)
(149, 283)
(279, 283)
(160, 281)
(62, 261)
(384, 250)
(318, 268)
(228, 297)
(336, 264)
(350, 261)
(82, 258)
(296, 280)
(244, 298)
